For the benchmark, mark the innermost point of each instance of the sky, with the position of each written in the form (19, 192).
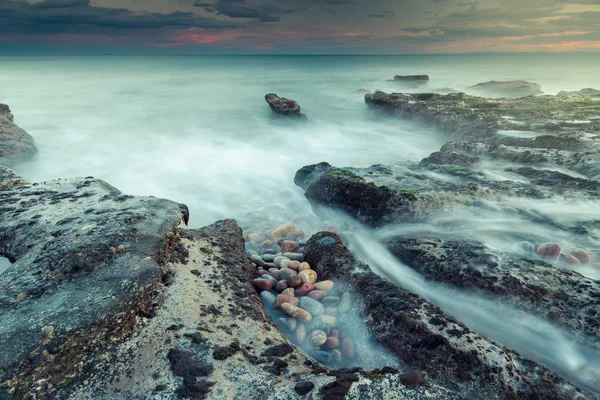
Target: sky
(298, 26)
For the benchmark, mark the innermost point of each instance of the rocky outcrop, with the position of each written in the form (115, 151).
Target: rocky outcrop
(582, 92)
(507, 88)
(411, 78)
(9, 178)
(86, 260)
(15, 143)
(283, 106)
(428, 341)
(536, 130)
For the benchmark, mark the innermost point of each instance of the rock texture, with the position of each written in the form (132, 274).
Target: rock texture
(9, 178)
(283, 106)
(86, 260)
(583, 92)
(507, 88)
(441, 348)
(15, 143)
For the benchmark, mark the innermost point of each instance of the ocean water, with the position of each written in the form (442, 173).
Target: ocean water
(196, 129)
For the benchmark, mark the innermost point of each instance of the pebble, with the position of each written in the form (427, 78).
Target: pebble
(296, 312)
(317, 338)
(251, 253)
(324, 285)
(47, 331)
(294, 281)
(302, 242)
(296, 235)
(262, 272)
(281, 286)
(295, 265)
(523, 248)
(263, 284)
(257, 260)
(287, 323)
(331, 343)
(282, 299)
(255, 237)
(308, 276)
(283, 231)
(300, 333)
(285, 273)
(335, 357)
(289, 292)
(304, 387)
(279, 259)
(582, 255)
(274, 272)
(317, 294)
(267, 245)
(270, 279)
(269, 265)
(331, 301)
(347, 348)
(289, 246)
(548, 251)
(331, 310)
(326, 357)
(294, 256)
(303, 266)
(304, 289)
(329, 320)
(569, 259)
(315, 308)
(269, 257)
(269, 251)
(335, 333)
(285, 263)
(268, 300)
(345, 303)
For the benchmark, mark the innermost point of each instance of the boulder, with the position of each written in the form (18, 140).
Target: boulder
(507, 88)
(15, 143)
(283, 106)
(9, 178)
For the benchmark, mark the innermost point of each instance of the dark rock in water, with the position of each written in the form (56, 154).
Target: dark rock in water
(400, 321)
(508, 88)
(304, 387)
(582, 92)
(280, 350)
(86, 259)
(15, 143)
(9, 178)
(283, 106)
(411, 78)
(412, 379)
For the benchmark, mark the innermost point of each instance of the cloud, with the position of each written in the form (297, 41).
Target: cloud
(241, 9)
(61, 3)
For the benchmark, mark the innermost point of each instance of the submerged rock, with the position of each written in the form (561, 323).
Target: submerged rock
(412, 78)
(15, 143)
(283, 106)
(508, 88)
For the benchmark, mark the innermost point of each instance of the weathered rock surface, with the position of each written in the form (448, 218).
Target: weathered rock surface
(15, 143)
(536, 130)
(411, 78)
(283, 106)
(426, 340)
(583, 92)
(9, 178)
(507, 88)
(86, 259)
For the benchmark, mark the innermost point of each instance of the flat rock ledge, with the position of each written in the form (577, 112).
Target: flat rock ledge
(15, 143)
(508, 88)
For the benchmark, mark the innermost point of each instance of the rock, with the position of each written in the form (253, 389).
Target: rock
(9, 178)
(331, 301)
(315, 308)
(568, 259)
(582, 92)
(268, 300)
(286, 323)
(324, 286)
(317, 338)
(326, 357)
(331, 310)
(255, 237)
(295, 265)
(281, 286)
(269, 258)
(347, 348)
(308, 276)
(304, 289)
(294, 281)
(283, 106)
(256, 259)
(508, 88)
(281, 299)
(582, 255)
(412, 78)
(335, 333)
(331, 343)
(284, 263)
(294, 256)
(300, 334)
(296, 312)
(286, 273)
(274, 272)
(289, 246)
(270, 279)
(279, 259)
(335, 357)
(289, 292)
(280, 350)
(263, 284)
(345, 303)
(296, 235)
(329, 320)
(303, 266)
(548, 251)
(412, 379)
(267, 246)
(15, 143)
(317, 294)
(304, 387)
(282, 231)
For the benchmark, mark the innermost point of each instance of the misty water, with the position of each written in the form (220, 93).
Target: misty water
(198, 131)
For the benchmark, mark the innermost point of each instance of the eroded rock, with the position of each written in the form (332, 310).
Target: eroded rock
(15, 143)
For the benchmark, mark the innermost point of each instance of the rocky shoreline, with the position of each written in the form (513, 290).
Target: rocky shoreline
(108, 296)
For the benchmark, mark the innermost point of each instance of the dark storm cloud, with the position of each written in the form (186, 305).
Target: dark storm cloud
(241, 9)
(73, 16)
(383, 14)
